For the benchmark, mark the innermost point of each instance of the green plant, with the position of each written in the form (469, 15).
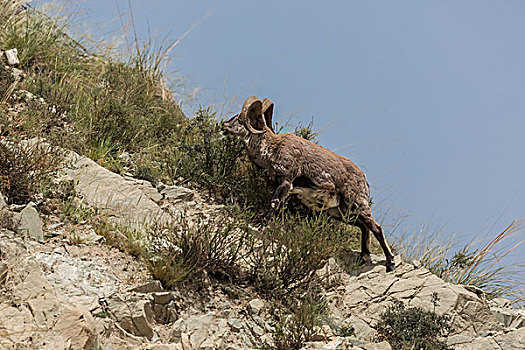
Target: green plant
(480, 266)
(291, 248)
(26, 169)
(413, 328)
(191, 246)
(306, 131)
(296, 322)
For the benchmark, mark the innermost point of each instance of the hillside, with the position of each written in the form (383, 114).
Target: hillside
(125, 224)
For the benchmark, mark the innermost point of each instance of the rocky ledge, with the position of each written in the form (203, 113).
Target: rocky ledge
(64, 293)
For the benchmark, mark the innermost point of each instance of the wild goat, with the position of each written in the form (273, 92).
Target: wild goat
(320, 178)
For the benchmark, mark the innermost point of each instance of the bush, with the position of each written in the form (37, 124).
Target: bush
(26, 170)
(413, 328)
(291, 248)
(189, 248)
(296, 322)
(216, 163)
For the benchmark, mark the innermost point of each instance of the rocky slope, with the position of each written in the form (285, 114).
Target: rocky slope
(63, 287)
(64, 293)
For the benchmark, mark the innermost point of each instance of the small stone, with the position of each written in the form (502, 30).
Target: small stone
(258, 331)
(124, 156)
(30, 223)
(177, 193)
(162, 298)
(318, 334)
(235, 324)
(178, 328)
(327, 331)
(12, 57)
(17, 74)
(255, 306)
(504, 316)
(150, 287)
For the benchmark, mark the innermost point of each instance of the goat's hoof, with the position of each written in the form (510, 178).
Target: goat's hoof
(364, 260)
(390, 266)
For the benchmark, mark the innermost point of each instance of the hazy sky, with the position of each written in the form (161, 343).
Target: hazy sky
(427, 97)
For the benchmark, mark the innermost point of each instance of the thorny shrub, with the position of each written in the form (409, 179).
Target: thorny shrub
(413, 328)
(26, 170)
(291, 248)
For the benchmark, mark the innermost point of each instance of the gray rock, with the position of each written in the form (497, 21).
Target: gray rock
(12, 57)
(77, 328)
(512, 340)
(255, 306)
(134, 315)
(256, 330)
(123, 201)
(361, 328)
(162, 298)
(150, 287)
(177, 193)
(500, 302)
(235, 324)
(30, 223)
(504, 316)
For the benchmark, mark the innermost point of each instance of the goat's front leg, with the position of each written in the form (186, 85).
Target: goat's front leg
(280, 194)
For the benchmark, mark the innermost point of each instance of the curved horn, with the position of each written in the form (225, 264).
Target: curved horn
(251, 110)
(267, 110)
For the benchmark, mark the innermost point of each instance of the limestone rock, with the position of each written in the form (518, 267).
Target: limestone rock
(12, 57)
(255, 306)
(133, 314)
(30, 223)
(177, 193)
(121, 200)
(150, 287)
(77, 328)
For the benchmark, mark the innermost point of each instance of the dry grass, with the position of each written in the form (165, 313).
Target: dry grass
(482, 265)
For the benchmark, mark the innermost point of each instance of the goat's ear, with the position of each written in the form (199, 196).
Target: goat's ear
(267, 110)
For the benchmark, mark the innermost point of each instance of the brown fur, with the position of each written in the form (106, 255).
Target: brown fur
(329, 181)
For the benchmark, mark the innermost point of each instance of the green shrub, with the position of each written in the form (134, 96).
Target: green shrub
(413, 328)
(26, 170)
(291, 248)
(216, 163)
(189, 247)
(296, 319)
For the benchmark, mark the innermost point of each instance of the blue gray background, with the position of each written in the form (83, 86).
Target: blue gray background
(428, 97)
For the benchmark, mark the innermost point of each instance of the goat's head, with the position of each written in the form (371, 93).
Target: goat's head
(255, 118)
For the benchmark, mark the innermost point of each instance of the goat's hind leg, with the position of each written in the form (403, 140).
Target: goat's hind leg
(369, 221)
(364, 258)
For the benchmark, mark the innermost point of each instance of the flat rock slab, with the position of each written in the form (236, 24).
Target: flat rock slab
(124, 203)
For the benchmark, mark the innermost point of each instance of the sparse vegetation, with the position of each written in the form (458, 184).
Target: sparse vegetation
(413, 328)
(26, 170)
(296, 322)
(291, 248)
(477, 265)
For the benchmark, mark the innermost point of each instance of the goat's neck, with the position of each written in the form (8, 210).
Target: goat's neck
(258, 149)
